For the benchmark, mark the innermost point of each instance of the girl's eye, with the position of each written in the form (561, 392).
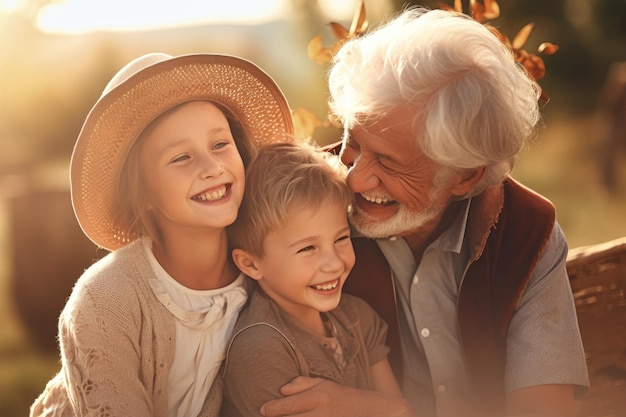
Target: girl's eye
(180, 158)
(306, 249)
(219, 145)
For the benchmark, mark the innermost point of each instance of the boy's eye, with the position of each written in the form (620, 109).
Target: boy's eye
(306, 249)
(342, 238)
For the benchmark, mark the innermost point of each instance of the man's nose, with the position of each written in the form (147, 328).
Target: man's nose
(361, 175)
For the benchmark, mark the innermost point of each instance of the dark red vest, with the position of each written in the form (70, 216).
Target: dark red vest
(489, 293)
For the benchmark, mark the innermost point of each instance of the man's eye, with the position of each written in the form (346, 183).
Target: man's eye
(384, 163)
(306, 249)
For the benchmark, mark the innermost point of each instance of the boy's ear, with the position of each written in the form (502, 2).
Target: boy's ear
(247, 263)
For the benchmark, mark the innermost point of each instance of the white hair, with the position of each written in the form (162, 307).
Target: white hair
(472, 104)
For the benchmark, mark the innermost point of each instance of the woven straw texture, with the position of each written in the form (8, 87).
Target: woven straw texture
(120, 115)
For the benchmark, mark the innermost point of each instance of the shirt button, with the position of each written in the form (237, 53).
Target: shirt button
(441, 389)
(415, 280)
(425, 332)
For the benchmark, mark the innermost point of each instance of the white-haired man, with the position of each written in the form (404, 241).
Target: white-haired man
(466, 264)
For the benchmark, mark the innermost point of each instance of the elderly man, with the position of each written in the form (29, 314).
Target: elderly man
(466, 264)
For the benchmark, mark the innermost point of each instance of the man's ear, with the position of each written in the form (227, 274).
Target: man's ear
(247, 263)
(468, 180)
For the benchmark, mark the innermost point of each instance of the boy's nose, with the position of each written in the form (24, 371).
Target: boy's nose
(332, 261)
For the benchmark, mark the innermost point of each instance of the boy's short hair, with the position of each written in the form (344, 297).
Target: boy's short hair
(284, 176)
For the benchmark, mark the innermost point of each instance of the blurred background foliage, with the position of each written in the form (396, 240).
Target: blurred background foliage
(49, 81)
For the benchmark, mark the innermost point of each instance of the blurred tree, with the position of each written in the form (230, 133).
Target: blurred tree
(612, 15)
(590, 34)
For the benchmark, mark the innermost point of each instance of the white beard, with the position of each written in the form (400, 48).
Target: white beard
(402, 222)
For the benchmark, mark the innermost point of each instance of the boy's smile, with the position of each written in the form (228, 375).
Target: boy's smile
(328, 286)
(306, 261)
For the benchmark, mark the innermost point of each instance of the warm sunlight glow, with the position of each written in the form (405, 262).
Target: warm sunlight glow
(338, 9)
(78, 16)
(9, 5)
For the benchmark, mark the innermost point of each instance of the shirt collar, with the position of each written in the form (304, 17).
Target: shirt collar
(451, 240)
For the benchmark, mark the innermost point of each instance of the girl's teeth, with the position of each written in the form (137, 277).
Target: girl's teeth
(212, 195)
(326, 287)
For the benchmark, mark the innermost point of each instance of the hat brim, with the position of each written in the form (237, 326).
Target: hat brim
(121, 114)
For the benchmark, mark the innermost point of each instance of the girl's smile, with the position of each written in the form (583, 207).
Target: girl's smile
(194, 173)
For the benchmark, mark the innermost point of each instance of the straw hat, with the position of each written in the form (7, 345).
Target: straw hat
(138, 94)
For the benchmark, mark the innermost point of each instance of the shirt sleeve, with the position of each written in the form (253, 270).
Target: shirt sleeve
(259, 362)
(544, 345)
(374, 329)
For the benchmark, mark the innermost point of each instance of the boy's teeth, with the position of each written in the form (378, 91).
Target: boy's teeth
(212, 195)
(326, 286)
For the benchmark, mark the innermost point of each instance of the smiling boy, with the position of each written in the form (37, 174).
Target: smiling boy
(292, 238)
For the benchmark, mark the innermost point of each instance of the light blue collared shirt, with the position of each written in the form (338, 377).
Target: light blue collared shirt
(543, 344)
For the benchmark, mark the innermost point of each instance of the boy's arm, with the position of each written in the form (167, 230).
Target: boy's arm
(260, 360)
(384, 380)
(374, 331)
(316, 397)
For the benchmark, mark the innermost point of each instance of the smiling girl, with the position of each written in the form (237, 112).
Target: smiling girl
(157, 174)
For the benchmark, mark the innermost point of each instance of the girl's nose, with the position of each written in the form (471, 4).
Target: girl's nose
(210, 167)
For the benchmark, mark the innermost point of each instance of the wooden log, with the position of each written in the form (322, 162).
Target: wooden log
(598, 279)
(596, 258)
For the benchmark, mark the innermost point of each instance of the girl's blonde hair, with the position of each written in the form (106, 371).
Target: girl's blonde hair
(132, 213)
(284, 177)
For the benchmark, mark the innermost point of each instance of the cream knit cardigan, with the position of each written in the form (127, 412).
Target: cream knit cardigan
(117, 344)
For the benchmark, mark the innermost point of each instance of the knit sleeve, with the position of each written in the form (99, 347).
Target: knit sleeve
(101, 355)
(259, 362)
